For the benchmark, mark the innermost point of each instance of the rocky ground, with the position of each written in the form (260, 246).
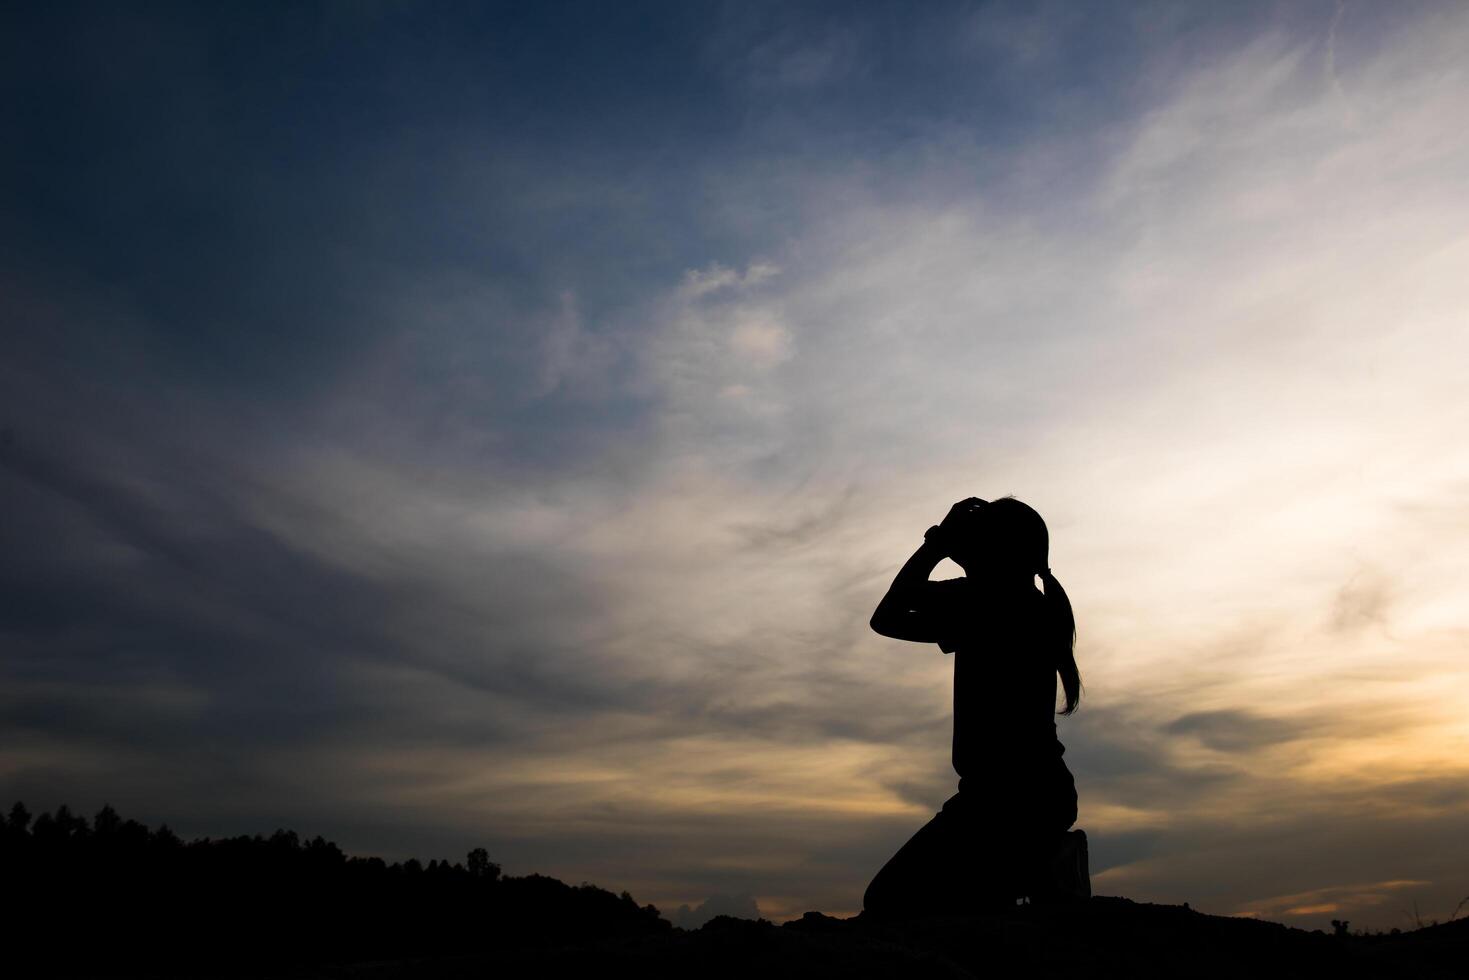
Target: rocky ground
(1102, 937)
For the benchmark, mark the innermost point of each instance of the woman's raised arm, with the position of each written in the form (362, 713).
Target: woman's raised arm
(903, 613)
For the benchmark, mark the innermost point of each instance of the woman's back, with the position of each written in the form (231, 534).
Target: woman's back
(1004, 678)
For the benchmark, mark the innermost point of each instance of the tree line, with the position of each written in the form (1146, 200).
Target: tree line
(112, 894)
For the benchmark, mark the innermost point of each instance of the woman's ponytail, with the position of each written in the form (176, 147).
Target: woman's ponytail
(1063, 622)
(1015, 538)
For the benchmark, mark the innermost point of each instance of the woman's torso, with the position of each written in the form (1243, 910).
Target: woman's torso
(1004, 684)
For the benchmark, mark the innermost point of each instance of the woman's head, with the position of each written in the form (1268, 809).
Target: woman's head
(1001, 536)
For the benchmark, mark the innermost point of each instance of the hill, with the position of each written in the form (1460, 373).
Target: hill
(1099, 937)
(111, 898)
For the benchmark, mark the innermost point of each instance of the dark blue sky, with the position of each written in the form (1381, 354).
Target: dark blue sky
(242, 179)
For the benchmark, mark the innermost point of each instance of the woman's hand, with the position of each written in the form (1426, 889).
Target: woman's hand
(940, 538)
(943, 534)
(910, 610)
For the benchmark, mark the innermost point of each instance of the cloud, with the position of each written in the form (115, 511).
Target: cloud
(739, 906)
(761, 341)
(715, 277)
(1323, 901)
(1233, 730)
(1362, 602)
(776, 50)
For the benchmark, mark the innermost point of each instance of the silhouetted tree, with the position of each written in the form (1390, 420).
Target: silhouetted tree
(106, 823)
(480, 865)
(250, 896)
(19, 819)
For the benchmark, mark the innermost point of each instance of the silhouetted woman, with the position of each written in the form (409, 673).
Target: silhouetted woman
(997, 839)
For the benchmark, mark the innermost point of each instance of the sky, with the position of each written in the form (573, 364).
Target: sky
(436, 426)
